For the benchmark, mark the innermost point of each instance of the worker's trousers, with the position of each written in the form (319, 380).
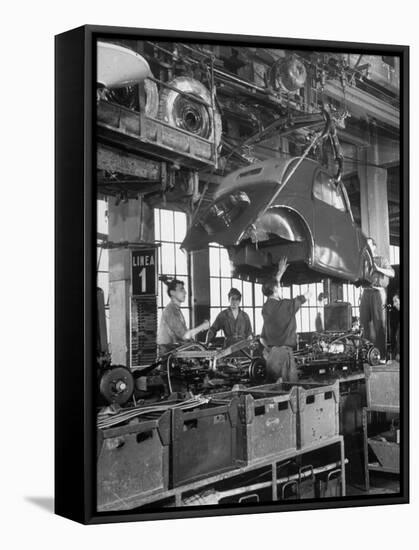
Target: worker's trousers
(372, 316)
(280, 365)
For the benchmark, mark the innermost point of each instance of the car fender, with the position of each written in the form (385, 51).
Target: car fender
(287, 223)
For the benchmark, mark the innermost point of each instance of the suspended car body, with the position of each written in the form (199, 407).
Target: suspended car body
(288, 208)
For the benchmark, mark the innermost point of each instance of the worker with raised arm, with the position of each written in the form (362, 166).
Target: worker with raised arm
(279, 332)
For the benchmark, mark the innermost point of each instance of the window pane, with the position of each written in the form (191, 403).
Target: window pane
(345, 293)
(180, 226)
(394, 255)
(225, 263)
(214, 260)
(259, 298)
(214, 312)
(258, 320)
(225, 289)
(305, 319)
(181, 262)
(166, 219)
(157, 235)
(286, 292)
(103, 283)
(102, 218)
(215, 291)
(167, 259)
(247, 294)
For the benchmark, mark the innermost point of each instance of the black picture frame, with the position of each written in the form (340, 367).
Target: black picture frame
(75, 275)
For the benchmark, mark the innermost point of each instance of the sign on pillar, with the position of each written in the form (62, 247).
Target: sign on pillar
(143, 272)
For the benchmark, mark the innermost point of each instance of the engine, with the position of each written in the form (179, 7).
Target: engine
(336, 351)
(193, 367)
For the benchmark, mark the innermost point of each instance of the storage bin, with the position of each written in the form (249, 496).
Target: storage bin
(382, 383)
(133, 461)
(204, 441)
(387, 451)
(267, 422)
(317, 410)
(318, 413)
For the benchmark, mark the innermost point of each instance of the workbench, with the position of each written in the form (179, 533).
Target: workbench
(271, 462)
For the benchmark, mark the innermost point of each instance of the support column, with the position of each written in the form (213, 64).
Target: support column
(131, 221)
(200, 286)
(373, 189)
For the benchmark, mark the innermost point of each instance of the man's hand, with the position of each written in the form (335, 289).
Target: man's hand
(282, 267)
(307, 295)
(194, 331)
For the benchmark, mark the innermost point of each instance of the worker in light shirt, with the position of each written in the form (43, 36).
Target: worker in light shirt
(173, 330)
(279, 332)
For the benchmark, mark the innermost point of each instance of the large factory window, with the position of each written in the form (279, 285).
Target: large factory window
(310, 315)
(221, 282)
(394, 255)
(352, 294)
(169, 231)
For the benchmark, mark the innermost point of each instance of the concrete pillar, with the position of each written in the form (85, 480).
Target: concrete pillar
(200, 286)
(373, 190)
(131, 221)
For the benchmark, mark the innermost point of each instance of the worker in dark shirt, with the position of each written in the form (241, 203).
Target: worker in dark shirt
(372, 309)
(233, 321)
(279, 332)
(173, 330)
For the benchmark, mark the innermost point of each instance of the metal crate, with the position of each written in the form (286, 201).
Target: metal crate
(317, 411)
(387, 453)
(382, 383)
(266, 422)
(204, 441)
(133, 461)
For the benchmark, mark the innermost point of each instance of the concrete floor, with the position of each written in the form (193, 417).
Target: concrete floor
(380, 484)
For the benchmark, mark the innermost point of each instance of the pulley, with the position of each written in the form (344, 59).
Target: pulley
(117, 385)
(289, 73)
(192, 116)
